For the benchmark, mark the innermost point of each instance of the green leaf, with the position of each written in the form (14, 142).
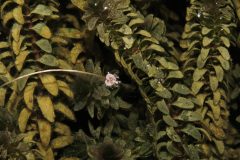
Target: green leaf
(189, 116)
(173, 149)
(183, 103)
(138, 61)
(224, 52)
(198, 74)
(175, 74)
(162, 106)
(22, 82)
(90, 109)
(160, 89)
(166, 64)
(42, 10)
(48, 60)
(172, 134)
(192, 131)
(192, 151)
(170, 121)
(182, 89)
(123, 104)
(45, 45)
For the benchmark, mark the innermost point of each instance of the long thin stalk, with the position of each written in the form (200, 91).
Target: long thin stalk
(53, 70)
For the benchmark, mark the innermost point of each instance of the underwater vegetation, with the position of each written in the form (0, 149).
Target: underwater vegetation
(119, 80)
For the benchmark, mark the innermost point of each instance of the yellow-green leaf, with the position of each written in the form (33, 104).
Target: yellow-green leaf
(20, 2)
(16, 29)
(28, 94)
(47, 108)
(16, 45)
(45, 131)
(136, 21)
(196, 86)
(49, 154)
(62, 129)
(4, 44)
(213, 82)
(23, 119)
(42, 10)
(76, 50)
(220, 145)
(224, 52)
(61, 142)
(156, 48)
(70, 33)
(198, 74)
(144, 33)
(18, 15)
(206, 41)
(64, 65)
(183, 103)
(20, 59)
(216, 110)
(205, 30)
(62, 108)
(69, 158)
(50, 83)
(2, 96)
(219, 73)
(225, 41)
(43, 30)
(65, 88)
(7, 17)
(224, 63)
(80, 4)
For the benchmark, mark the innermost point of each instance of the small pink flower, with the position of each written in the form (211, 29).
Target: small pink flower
(111, 80)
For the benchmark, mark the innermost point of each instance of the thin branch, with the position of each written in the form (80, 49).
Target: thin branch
(53, 70)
